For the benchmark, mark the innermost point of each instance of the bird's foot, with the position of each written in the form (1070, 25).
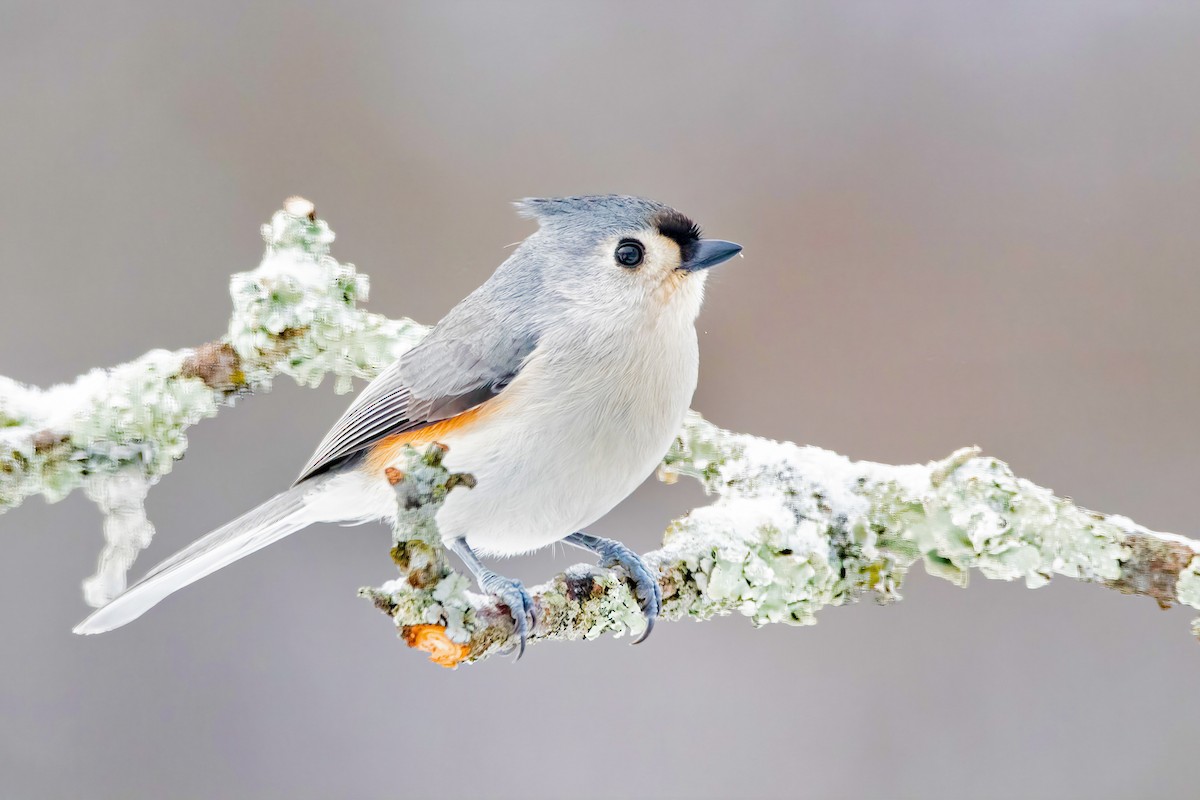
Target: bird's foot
(512, 593)
(614, 554)
(507, 591)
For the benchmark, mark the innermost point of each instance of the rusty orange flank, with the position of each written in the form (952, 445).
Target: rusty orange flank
(387, 452)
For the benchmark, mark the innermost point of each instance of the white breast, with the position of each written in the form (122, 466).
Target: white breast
(578, 430)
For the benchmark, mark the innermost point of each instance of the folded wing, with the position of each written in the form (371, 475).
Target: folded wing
(466, 360)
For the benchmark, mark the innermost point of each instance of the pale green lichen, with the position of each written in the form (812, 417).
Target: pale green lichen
(1187, 588)
(427, 591)
(615, 609)
(795, 529)
(791, 529)
(136, 414)
(984, 517)
(586, 602)
(698, 452)
(295, 314)
(754, 557)
(133, 415)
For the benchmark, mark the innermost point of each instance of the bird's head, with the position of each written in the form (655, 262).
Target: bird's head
(620, 255)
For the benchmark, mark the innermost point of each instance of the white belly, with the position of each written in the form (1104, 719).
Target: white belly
(571, 438)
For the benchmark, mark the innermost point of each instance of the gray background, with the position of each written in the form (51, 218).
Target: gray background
(964, 223)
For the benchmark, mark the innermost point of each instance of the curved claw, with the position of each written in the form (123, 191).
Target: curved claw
(648, 592)
(505, 590)
(513, 594)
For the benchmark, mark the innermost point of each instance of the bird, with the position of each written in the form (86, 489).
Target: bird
(558, 385)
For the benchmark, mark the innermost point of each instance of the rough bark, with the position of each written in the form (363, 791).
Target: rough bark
(791, 529)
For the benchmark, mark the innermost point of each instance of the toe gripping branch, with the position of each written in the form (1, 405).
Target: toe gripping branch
(506, 591)
(614, 554)
(512, 596)
(433, 611)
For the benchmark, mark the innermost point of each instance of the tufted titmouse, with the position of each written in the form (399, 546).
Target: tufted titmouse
(558, 384)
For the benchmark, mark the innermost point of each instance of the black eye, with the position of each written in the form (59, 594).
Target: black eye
(630, 253)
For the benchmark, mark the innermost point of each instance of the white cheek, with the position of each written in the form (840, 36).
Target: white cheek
(620, 291)
(688, 299)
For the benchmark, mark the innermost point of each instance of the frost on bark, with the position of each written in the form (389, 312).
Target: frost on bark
(117, 431)
(794, 529)
(790, 530)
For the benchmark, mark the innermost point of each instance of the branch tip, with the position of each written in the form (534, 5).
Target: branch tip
(432, 639)
(299, 207)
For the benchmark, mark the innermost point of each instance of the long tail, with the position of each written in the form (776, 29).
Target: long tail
(283, 514)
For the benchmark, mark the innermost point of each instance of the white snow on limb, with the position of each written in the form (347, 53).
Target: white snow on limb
(296, 314)
(121, 497)
(965, 512)
(794, 529)
(790, 529)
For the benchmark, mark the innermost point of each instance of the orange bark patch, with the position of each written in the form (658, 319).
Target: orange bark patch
(394, 475)
(433, 640)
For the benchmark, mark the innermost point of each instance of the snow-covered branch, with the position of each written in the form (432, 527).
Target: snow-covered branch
(117, 431)
(791, 530)
(794, 529)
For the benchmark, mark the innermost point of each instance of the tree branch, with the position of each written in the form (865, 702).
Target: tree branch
(117, 431)
(791, 530)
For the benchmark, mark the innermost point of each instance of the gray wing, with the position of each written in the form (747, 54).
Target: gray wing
(470, 357)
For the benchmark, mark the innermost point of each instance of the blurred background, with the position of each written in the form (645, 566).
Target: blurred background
(964, 223)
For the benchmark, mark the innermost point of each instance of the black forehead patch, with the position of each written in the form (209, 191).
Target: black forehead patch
(677, 227)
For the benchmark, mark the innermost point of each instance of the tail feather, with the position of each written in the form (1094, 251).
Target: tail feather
(283, 514)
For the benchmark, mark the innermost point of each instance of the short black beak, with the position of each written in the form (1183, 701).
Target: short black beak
(705, 253)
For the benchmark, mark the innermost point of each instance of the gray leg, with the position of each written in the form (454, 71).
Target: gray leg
(614, 554)
(508, 591)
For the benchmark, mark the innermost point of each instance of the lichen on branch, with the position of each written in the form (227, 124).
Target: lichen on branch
(790, 531)
(795, 529)
(295, 315)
